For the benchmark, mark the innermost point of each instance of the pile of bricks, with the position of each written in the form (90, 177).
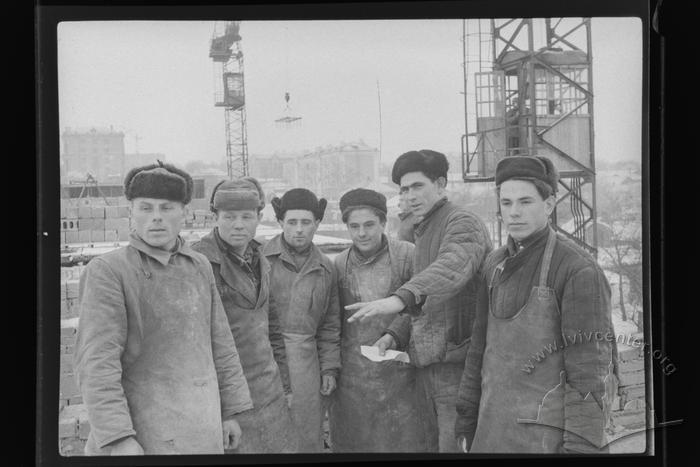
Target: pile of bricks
(69, 291)
(628, 410)
(73, 425)
(200, 219)
(90, 224)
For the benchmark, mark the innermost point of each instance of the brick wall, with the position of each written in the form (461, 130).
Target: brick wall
(73, 425)
(90, 224)
(628, 410)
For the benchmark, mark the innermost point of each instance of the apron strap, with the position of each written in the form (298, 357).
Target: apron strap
(547, 258)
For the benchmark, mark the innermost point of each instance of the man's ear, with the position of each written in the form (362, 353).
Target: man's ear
(549, 204)
(260, 215)
(441, 182)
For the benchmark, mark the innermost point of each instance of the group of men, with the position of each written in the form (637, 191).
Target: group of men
(233, 346)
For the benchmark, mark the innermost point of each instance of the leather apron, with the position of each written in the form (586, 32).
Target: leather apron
(172, 387)
(374, 407)
(511, 398)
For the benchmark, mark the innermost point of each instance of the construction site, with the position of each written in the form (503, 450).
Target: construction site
(527, 90)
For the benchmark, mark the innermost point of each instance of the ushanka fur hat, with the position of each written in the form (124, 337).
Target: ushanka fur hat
(527, 168)
(432, 163)
(299, 198)
(361, 198)
(160, 181)
(237, 194)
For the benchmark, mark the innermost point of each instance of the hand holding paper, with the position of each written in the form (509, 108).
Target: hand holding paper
(372, 353)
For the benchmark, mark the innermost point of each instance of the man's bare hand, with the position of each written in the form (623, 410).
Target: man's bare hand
(385, 306)
(232, 433)
(327, 384)
(126, 447)
(385, 342)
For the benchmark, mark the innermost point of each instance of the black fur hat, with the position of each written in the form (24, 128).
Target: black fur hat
(432, 163)
(361, 197)
(299, 198)
(527, 167)
(161, 181)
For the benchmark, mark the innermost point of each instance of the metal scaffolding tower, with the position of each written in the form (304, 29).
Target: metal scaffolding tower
(227, 54)
(528, 90)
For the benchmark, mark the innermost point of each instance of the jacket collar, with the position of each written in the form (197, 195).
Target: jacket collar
(210, 248)
(531, 250)
(160, 255)
(515, 247)
(423, 224)
(274, 248)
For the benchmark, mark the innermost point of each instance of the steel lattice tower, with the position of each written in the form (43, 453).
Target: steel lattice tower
(227, 53)
(528, 90)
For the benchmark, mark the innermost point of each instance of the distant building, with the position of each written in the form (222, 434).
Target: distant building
(99, 152)
(332, 170)
(141, 159)
(272, 166)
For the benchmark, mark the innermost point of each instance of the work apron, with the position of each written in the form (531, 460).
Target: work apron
(171, 386)
(374, 408)
(305, 379)
(268, 427)
(511, 398)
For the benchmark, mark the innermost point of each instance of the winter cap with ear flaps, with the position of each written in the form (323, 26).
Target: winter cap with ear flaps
(299, 198)
(243, 193)
(159, 181)
(431, 163)
(527, 167)
(361, 198)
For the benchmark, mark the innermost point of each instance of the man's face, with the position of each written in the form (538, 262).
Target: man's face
(365, 229)
(420, 192)
(523, 209)
(157, 221)
(237, 228)
(299, 227)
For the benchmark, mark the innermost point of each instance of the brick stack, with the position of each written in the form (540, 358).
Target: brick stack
(628, 410)
(69, 299)
(90, 224)
(73, 430)
(201, 219)
(73, 425)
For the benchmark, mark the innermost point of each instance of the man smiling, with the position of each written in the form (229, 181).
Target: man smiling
(155, 359)
(450, 246)
(375, 406)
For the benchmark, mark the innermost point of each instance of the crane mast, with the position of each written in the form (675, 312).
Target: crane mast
(227, 54)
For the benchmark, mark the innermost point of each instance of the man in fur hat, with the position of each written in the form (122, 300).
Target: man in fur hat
(532, 382)
(304, 294)
(155, 359)
(374, 408)
(450, 246)
(243, 278)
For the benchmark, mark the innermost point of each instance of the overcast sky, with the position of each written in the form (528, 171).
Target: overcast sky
(155, 80)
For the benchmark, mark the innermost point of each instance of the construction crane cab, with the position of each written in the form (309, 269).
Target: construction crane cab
(220, 48)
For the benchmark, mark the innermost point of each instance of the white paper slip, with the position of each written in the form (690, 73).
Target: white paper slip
(371, 352)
